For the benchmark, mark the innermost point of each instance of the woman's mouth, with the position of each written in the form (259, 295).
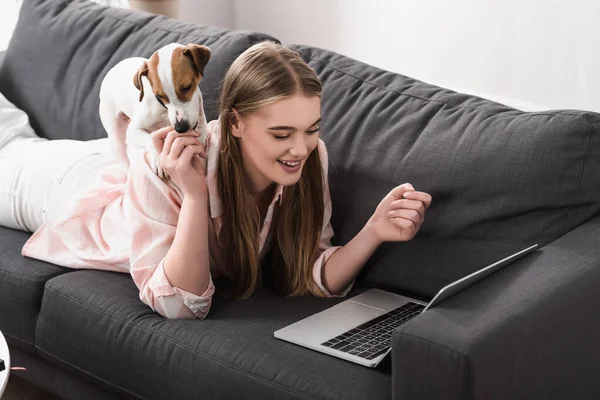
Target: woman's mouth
(289, 166)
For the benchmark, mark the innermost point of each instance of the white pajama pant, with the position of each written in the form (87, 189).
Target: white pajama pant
(39, 176)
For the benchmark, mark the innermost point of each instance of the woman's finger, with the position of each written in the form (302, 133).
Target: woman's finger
(420, 196)
(408, 204)
(411, 215)
(180, 143)
(188, 153)
(171, 136)
(158, 137)
(405, 224)
(398, 191)
(417, 206)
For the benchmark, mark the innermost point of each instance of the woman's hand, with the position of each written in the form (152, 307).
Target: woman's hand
(179, 159)
(400, 214)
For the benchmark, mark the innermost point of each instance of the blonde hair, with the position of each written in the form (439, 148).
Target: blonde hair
(263, 74)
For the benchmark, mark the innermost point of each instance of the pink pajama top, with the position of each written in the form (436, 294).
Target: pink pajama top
(125, 221)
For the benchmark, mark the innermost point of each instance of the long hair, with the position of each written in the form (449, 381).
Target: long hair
(263, 74)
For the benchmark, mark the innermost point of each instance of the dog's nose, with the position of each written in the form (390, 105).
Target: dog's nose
(182, 126)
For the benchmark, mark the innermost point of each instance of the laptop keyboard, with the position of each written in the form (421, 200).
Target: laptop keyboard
(373, 338)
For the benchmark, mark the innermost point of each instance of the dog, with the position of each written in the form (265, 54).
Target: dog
(139, 95)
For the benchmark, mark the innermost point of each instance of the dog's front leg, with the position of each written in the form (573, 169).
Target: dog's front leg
(138, 139)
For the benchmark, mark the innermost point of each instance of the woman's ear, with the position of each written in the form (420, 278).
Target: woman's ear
(236, 123)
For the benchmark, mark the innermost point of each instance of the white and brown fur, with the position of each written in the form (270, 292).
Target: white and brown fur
(129, 99)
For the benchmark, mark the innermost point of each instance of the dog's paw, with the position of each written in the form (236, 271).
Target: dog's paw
(154, 161)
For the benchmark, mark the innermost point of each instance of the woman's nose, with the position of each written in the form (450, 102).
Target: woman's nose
(300, 147)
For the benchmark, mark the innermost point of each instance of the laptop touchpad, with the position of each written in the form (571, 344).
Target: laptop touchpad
(329, 323)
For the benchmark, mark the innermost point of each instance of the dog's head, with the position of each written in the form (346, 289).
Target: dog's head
(174, 72)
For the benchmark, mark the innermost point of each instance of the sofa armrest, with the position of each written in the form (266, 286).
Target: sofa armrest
(530, 331)
(2, 55)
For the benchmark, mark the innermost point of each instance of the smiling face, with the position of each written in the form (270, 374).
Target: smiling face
(275, 141)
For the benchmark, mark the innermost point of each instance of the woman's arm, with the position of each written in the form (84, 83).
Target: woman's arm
(345, 263)
(397, 218)
(169, 230)
(153, 210)
(187, 261)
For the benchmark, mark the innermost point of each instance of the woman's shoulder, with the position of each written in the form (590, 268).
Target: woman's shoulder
(213, 133)
(322, 148)
(212, 146)
(211, 125)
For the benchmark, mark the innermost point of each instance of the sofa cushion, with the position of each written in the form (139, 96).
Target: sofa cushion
(501, 179)
(22, 283)
(62, 49)
(232, 354)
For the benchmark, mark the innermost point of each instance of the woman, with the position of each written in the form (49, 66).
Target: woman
(264, 189)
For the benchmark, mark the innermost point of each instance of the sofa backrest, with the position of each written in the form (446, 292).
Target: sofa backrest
(62, 49)
(501, 179)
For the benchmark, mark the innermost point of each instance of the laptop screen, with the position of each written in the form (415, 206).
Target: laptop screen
(465, 282)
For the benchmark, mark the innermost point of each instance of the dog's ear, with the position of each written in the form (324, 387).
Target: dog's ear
(199, 55)
(137, 78)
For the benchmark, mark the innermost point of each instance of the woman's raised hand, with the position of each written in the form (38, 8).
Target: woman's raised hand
(182, 158)
(400, 214)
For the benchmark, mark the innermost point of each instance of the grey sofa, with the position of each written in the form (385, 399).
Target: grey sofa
(501, 180)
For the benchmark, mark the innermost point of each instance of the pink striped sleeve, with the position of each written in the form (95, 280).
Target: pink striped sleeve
(152, 208)
(325, 249)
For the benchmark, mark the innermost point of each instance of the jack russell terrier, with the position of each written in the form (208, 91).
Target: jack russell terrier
(139, 95)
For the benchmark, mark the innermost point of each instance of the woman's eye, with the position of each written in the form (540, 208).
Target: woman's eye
(281, 137)
(317, 129)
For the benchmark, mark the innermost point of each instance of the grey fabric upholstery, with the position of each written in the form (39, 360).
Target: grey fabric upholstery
(22, 283)
(230, 355)
(491, 170)
(47, 376)
(501, 179)
(529, 331)
(58, 85)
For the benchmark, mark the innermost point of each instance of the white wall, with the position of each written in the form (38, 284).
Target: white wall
(9, 11)
(533, 54)
(208, 12)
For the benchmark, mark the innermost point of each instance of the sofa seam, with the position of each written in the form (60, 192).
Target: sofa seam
(177, 343)
(468, 362)
(89, 373)
(31, 277)
(19, 339)
(401, 93)
(589, 149)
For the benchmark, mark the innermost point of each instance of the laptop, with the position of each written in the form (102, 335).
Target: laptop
(360, 329)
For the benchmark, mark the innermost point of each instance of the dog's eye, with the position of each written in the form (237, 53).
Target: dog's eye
(187, 88)
(159, 99)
